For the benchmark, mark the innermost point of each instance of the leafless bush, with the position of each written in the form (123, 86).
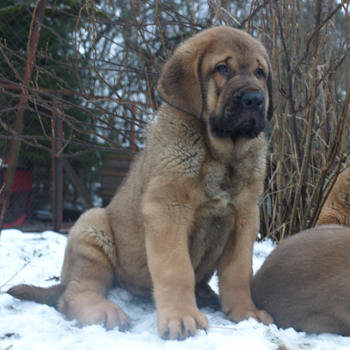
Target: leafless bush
(115, 53)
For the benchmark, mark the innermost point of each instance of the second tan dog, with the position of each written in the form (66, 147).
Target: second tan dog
(190, 203)
(336, 209)
(304, 282)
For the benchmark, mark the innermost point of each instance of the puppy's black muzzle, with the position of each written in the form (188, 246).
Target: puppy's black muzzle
(242, 115)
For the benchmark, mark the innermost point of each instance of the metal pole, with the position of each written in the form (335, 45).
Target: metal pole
(58, 170)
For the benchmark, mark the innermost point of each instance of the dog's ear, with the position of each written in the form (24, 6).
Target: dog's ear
(271, 88)
(180, 83)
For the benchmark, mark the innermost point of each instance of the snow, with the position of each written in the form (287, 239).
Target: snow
(34, 258)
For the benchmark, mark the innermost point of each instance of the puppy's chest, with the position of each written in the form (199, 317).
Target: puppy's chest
(222, 185)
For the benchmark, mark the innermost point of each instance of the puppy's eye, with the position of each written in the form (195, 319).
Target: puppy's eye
(259, 73)
(223, 69)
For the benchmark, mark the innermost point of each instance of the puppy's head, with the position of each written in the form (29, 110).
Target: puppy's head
(223, 75)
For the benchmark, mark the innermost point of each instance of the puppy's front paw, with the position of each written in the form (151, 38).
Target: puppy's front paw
(178, 324)
(239, 314)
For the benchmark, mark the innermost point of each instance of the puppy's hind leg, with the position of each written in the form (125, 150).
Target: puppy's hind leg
(88, 273)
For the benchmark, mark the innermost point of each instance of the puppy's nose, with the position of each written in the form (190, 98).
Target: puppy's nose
(252, 101)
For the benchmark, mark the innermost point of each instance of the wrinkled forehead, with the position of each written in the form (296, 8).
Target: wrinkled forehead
(237, 49)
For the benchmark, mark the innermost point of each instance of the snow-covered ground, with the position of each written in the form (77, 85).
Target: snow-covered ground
(35, 258)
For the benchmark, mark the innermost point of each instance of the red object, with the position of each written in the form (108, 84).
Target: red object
(19, 207)
(22, 181)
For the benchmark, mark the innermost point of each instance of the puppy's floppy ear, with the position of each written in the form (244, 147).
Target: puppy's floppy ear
(271, 88)
(180, 84)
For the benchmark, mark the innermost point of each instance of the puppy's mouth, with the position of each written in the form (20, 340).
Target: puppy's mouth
(241, 127)
(240, 118)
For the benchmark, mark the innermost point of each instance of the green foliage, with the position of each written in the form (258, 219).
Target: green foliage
(56, 57)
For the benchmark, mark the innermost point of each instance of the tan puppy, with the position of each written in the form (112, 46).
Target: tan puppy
(304, 282)
(336, 209)
(189, 204)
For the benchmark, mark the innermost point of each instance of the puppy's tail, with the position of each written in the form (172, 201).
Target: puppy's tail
(48, 296)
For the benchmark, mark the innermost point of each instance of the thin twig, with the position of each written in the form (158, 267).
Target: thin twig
(9, 280)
